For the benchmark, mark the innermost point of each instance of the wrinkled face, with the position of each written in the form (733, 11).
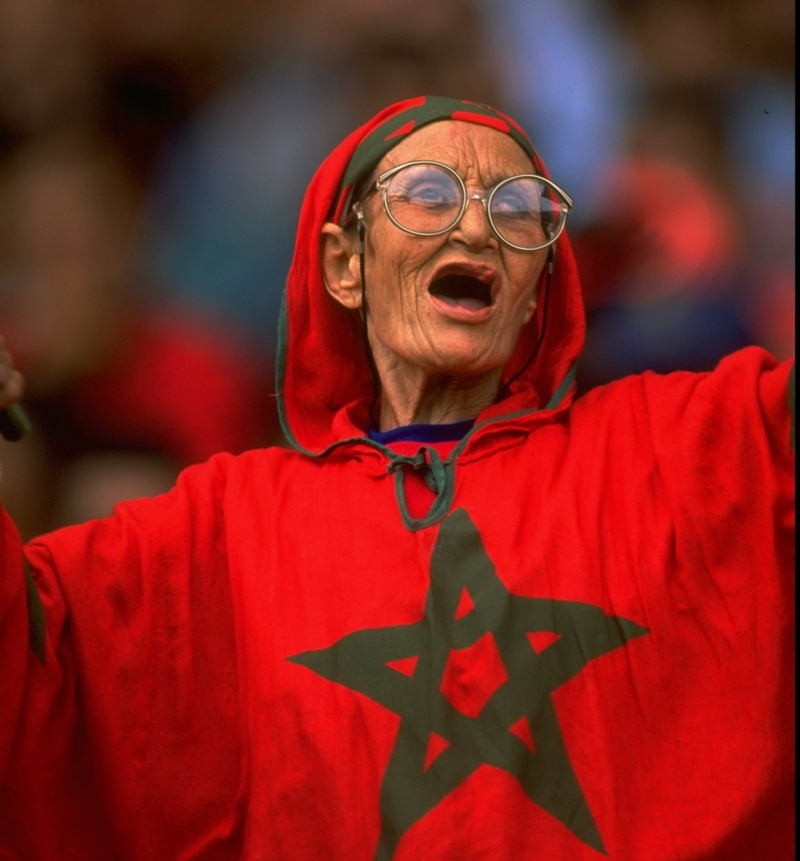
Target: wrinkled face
(453, 303)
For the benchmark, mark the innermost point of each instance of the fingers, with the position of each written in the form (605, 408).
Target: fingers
(12, 383)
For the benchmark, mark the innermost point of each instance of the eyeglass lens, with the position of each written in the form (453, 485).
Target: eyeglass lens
(427, 199)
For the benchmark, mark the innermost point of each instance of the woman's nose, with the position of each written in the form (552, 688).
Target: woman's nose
(474, 229)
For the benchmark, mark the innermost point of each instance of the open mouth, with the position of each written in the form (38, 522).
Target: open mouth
(462, 291)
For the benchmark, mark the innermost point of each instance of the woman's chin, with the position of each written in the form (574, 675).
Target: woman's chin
(457, 352)
(466, 360)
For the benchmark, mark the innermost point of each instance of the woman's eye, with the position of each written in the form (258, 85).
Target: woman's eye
(512, 203)
(430, 193)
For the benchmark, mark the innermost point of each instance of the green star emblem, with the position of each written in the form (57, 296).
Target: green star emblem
(450, 722)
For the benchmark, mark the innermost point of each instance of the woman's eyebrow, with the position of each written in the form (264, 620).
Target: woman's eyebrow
(494, 177)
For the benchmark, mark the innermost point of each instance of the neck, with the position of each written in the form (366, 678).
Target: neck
(410, 395)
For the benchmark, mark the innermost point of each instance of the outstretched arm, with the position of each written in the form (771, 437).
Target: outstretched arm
(13, 423)
(116, 639)
(102, 653)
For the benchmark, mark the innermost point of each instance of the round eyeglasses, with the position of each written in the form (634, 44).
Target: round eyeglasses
(426, 198)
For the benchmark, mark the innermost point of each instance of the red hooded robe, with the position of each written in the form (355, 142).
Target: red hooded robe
(584, 648)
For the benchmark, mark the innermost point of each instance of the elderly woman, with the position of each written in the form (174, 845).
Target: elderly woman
(466, 618)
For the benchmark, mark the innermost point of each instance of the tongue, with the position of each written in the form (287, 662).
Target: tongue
(463, 302)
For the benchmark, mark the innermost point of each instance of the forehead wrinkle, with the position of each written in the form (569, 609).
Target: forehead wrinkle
(480, 155)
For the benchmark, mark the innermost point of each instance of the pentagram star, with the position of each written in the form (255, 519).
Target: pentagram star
(511, 724)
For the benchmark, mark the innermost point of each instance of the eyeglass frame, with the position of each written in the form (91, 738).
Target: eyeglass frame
(485, 197)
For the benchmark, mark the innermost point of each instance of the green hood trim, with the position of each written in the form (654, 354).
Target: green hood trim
(280, 371)
(554, 402)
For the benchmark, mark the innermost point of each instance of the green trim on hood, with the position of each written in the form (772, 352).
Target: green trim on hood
(554, 402)
(280, 372)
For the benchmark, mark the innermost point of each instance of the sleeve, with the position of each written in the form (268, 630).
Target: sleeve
(744, 410)
(107, 689)
(723, 445)
(14, 632)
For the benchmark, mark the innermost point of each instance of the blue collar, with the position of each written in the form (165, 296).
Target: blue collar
(423, 433)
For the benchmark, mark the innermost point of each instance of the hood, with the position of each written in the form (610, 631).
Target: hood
(324, 382)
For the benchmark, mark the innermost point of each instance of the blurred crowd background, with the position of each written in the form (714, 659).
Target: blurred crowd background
(154, 153)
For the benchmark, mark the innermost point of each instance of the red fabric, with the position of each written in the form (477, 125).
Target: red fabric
(173, 720)
(665, 500)
(14, 628)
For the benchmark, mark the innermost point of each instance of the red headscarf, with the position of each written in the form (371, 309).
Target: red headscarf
(323, 371)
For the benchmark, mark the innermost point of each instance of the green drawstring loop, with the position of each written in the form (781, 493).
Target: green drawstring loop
(427, 461)
(437, 475)
(417, 462)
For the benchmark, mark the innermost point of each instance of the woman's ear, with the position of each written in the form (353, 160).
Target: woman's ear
(530, 307)
(340, 268)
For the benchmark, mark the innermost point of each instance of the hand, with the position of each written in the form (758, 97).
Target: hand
(13, 421)
(12, 383)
